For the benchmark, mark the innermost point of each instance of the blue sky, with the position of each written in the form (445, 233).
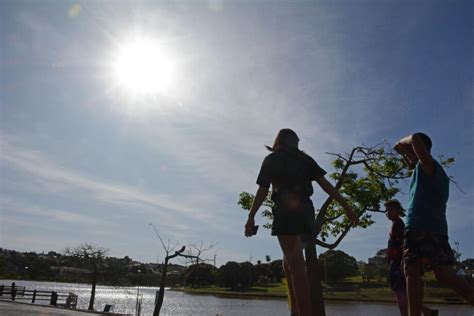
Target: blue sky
(84, 156)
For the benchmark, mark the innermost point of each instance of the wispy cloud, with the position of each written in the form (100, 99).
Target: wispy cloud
(180, 217)
(37, 165)
(9, 206)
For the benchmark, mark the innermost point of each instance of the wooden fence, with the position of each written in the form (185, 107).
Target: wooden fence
(13, 292)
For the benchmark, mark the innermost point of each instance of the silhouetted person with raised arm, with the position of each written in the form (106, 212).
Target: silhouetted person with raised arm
(426, 234)
(290, 172)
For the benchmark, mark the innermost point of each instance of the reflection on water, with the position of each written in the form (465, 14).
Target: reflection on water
(178, 303)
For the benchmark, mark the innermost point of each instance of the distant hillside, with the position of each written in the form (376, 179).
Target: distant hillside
(53, 266)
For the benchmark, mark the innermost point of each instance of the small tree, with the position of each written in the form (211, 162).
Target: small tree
(276, 270)
(231, 275)
(164, 270)
(200, 275)
(94, 259)
(380, 264)
(195, 253)
(338, 265)
(369, 271)
(194, 256)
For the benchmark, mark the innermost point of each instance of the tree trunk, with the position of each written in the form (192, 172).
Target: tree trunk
(313, 272)
(161, 292)
(94, 281)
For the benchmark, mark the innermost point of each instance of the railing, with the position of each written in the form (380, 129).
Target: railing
(68, 300)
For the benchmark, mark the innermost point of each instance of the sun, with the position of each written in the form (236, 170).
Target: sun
(144, 67)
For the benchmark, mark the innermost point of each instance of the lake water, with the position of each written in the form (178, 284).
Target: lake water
(179, 303)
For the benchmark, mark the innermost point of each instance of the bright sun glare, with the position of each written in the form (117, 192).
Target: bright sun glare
(143, 67)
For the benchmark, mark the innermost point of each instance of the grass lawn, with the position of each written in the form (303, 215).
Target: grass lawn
(351, 289)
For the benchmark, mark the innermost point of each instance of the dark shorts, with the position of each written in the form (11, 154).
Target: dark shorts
(427, 248)
(397, 279)
(294, 222)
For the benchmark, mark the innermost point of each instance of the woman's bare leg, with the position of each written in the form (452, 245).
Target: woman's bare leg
(289, 280)
(293, 256)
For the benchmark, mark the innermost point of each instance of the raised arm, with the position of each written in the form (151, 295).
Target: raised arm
(260, 196)
(405, 149)
(332, 192)
(413, 148)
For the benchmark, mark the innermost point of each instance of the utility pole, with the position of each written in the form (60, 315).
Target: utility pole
(138, 304)
(325, 271)
(250, 265)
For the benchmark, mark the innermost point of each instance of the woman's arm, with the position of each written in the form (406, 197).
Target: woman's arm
(260, 196)
(332, 192)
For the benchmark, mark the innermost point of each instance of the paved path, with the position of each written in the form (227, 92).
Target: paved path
(8, 308)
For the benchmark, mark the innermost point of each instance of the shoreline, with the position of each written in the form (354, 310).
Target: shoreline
(381, 295)
(327, 298)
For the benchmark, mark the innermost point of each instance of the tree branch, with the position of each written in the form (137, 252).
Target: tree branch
(339, 239)
(159, 237)
(322, 211)
(195, 254)
(393, 177)
(336, 243)
(457, 185)
(177, 253)
(337, 155)
(330, 219)
(375, 211)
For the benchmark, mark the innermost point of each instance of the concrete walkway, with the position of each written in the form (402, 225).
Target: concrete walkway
(9, 308)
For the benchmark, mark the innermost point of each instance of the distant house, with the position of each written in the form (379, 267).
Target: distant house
(68, 271)
(174, 272)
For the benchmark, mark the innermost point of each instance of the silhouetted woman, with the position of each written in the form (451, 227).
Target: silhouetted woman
(290, 172)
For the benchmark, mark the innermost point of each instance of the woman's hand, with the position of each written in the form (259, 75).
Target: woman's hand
(249, 226)
(260, 196)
